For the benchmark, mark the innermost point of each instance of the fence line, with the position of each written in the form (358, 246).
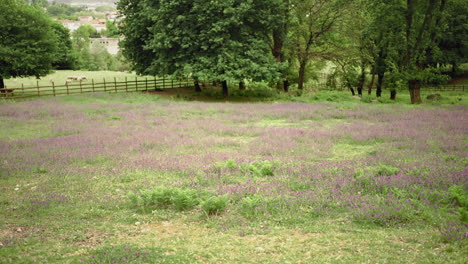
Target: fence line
(85, 86)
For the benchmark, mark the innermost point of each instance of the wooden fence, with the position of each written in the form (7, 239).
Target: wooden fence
(90, 86)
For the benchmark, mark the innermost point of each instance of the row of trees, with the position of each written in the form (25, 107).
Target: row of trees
(404, 42)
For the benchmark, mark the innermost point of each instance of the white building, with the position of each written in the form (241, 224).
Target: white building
(111, 44)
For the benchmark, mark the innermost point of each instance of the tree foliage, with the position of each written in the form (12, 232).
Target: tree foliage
(209, 40)
(28, 45)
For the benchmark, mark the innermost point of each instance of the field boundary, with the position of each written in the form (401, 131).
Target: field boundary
(80, 85)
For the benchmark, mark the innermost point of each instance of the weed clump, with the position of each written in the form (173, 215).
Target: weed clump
(215, 205)
(176, 199)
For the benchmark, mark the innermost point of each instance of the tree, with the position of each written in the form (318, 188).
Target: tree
(65, 57)
(453, 42)
(111, 30)
(27, 42)
(311, 21)
(225, 40)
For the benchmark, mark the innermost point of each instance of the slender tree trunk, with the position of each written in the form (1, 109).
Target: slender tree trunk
(393, 94)
(197, 87)
(352, 90)
(415, 91)
(2, 84)
(362, 79)
(241, 85)
(380, 78)
(286, 85)
(279, 35)
(371, 84)
(302, 68)
(225, 88)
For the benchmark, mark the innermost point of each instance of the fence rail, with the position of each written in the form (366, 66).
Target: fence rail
(89, 86)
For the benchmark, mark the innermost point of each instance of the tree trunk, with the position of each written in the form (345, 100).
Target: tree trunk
(380, 78)
(279, 35)
(371, 84)
(393, 93)
(415, 91)
(197, 87)
(302, 68)
(2, 84)
(286, 85)
(362, 79)
(225, 88)
(241, 85)
(352, 91)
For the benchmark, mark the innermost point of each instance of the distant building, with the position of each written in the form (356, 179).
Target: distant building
(71, 25)
(111, 44)
(84, 19)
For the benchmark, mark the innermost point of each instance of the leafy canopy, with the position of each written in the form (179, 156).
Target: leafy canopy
(27, 41)
(210, 40)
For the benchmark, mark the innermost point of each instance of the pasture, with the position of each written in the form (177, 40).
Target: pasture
(133, 178)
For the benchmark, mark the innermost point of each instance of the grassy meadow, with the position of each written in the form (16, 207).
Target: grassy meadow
(60, 77)
(133, 178)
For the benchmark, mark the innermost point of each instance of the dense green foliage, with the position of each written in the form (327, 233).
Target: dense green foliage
(28, 45)
(405, 44)
(209, 40)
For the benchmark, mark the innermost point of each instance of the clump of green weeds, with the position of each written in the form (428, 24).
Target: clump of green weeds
(257, 168)
(215, 205)
(261, 168)
(459, 197)
(179, 199)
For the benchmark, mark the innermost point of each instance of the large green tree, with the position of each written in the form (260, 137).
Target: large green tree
(27, 41)
(225, 40)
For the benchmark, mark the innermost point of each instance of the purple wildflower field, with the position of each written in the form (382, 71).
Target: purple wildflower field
(282, 163)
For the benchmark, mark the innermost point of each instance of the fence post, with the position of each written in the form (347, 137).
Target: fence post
(163, 84)
(81, 87)
(53, 88)
(92, 82)
(136, 83)
(37, 85)
(105, 88)
(155, 85)
(115, 84)
(172, 83)
(66, 84)
(126, 84)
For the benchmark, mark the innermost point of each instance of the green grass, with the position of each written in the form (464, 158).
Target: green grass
(178, 222)
(59, 78)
